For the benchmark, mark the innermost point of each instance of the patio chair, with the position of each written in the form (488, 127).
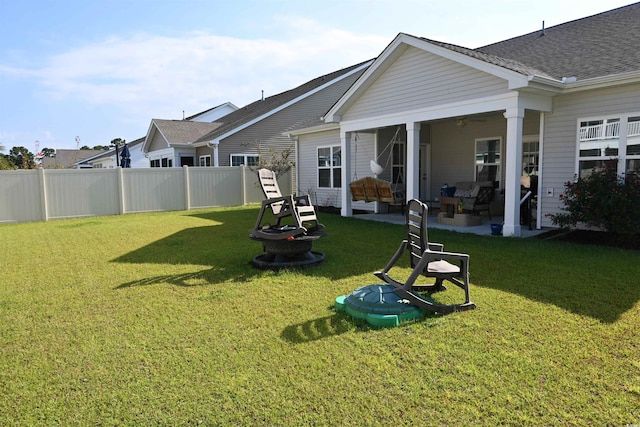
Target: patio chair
(298, 209)
(428, 259)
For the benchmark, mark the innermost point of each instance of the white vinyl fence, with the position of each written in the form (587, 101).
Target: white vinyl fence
(44, 194)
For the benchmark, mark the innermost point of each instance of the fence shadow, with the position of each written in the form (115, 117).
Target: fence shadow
(355, 247)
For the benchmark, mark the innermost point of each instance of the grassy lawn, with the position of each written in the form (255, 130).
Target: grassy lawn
(159, 319)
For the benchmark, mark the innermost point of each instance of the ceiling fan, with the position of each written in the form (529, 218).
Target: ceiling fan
(463, 121)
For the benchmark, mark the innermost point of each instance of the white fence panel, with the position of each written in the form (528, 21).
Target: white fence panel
(39, 195)
(209, 187)
(153, 189)
(72, 194)
(20, 196)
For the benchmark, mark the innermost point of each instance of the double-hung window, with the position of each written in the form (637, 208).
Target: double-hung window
(330, 167)
(244, 159)
(609, 141)
(205, 160)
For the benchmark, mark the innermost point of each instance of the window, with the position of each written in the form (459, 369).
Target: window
(205, 161)
(244, 159)
(612, 142)
(488, 160)
(186, 161)
(530, 158)
(164, 162)
(330, 167)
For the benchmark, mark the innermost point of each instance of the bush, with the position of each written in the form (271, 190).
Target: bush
(603, 200)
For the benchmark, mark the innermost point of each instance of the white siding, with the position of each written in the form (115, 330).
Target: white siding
(419, 79)
(561, 129)
(362, 152)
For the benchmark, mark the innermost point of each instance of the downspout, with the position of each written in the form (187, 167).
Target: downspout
(214, 146)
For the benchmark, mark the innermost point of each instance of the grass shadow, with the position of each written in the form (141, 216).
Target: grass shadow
(226, 247)
(317, 329)
(593, 281)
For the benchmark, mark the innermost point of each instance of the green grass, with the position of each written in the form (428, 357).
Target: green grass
(159, 319)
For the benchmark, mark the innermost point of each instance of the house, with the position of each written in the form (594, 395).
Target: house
(138, 158)
(212, 114)
(550, 104)
(68, 158)
(242, 136)
(107, 159)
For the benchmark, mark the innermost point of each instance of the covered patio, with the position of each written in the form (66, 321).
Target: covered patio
(460, 119)
(483, 229)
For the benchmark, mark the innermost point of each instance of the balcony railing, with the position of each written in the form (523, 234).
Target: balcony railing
(608, 131)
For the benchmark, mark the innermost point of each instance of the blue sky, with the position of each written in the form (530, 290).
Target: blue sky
(100, 70)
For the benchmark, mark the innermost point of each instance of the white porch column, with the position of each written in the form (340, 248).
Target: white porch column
(413, 161)
(513, 171)
(345, 173)
(214, 145)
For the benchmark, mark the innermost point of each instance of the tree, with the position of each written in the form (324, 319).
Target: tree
(100, 147)
(5, 163)
(49, 152)
(277, 161)
(22, 158)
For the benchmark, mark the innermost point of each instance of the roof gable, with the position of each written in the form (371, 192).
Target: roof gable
(515, 74)
(176, 132)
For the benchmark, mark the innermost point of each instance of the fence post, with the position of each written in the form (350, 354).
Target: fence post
(244, 185)
(44, 209)
(120, 174)
(187, 196)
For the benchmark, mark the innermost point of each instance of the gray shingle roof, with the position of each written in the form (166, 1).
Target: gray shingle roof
(595, 46)
(182, 131)
(258, 108)
(507, 63)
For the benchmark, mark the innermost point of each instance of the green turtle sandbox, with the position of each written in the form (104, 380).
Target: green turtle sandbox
(379, 305)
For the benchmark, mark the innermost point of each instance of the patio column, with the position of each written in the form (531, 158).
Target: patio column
(413, 161)
(216, 160)
(513, 171)
(345, 173)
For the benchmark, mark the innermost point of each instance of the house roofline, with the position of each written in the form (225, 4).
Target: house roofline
(297, 99)
(312, 129)
(398, 46)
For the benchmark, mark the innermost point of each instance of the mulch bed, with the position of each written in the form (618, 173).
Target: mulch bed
(590, 237)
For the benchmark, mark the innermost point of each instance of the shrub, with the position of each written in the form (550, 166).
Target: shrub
(603, 200)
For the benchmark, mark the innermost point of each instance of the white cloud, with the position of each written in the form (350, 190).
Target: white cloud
(148, 75)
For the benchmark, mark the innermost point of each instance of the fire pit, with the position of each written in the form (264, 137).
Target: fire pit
(287, 243)
(288, 252)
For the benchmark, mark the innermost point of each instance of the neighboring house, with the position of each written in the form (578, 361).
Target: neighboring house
(107, 159)
(240, 137)
(552, 104)
(68, 158)
(212, 114)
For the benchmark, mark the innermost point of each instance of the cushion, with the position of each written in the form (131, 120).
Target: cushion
(462, 193)
(442, 266)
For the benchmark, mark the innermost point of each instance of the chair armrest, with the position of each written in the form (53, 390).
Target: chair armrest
(436, 247)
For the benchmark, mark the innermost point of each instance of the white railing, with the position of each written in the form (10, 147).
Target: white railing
(633, 128)
(44, 194)
(602, 131)
(608, 131)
